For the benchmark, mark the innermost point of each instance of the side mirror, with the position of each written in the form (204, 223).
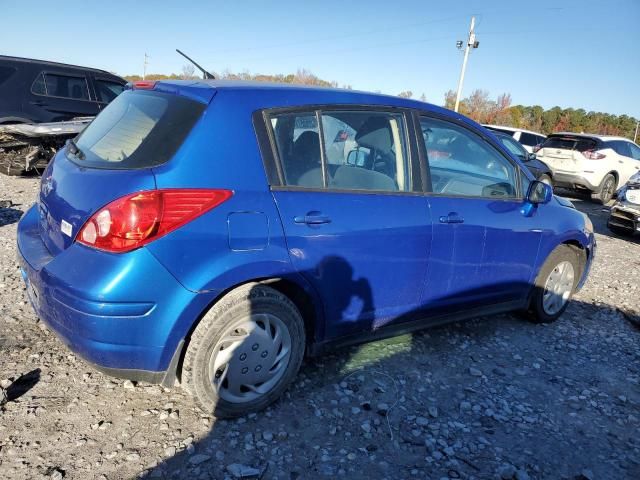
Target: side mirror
(539, 193)
(531, 156)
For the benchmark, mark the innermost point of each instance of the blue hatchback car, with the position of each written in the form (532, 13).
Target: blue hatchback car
(213, 233)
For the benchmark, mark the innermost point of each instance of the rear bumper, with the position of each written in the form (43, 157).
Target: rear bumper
(575, 181)
(123, 313)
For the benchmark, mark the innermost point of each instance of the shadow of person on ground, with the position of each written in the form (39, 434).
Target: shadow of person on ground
(22, 385)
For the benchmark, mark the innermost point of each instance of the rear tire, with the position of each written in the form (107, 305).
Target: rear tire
(556, 283)
(606, 191)
(245, 351)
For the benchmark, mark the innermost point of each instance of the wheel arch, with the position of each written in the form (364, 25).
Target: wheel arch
(294, 287)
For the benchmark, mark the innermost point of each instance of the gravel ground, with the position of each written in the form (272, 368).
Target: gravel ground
(495, 397)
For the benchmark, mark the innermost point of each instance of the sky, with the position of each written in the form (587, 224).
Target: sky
(570, 53)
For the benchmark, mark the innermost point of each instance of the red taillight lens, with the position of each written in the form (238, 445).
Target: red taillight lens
(593, 155)
(137, 219)
(144, 85)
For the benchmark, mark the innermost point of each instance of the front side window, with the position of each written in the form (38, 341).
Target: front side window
(349, 150)
(65, 86)
(463, 164)
(107, 90)
(514, 147)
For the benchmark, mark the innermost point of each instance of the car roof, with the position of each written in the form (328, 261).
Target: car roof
(289, 94)
(513, 129)
(7, 58)
(590, 135)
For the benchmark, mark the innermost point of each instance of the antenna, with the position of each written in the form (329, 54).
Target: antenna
(144, 65)
(205, 74)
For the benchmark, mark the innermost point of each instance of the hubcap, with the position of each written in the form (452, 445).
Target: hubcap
(250, 357)
(558, 287)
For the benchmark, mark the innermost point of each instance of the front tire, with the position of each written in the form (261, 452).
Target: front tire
(245, 351)
(606, 191)
(556, 283)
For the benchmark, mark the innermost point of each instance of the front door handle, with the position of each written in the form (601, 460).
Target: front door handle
(39, 103)
(312, 218)
(453, 217)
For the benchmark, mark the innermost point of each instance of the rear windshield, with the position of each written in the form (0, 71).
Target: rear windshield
(137, 130)
(567, 142)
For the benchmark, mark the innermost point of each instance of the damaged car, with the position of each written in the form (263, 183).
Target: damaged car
(624, 217)
(43, 104)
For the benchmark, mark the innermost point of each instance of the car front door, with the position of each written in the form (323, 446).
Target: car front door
(357, 226)
(484, 247)
(106, 90)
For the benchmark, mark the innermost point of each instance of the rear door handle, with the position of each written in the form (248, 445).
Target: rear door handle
(312, 218)
(39, 103)
(453, 217)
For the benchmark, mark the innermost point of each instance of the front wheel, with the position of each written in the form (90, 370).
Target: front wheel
(244, 352)
(556, 284)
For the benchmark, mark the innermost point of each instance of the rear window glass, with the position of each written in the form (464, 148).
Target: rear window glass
(137, 130)
(580, 144)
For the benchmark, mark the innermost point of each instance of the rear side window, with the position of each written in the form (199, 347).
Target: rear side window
(581, 144)
(635, 151)
(107, 90)
(6, 73)
(66, 86)
(622, 148)
(137, 130)
(343, 150)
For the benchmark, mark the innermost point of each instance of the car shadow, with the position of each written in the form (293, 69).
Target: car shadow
(392, 404)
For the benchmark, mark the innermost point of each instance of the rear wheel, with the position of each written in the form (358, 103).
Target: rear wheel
(556, 284)
(244, 352)
(606, 191)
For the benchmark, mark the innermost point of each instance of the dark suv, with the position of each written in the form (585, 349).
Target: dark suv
(36, 91)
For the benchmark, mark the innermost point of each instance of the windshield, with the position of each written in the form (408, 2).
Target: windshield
(137, 130)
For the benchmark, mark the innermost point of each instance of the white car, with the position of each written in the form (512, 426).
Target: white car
(527, 138)
(595, 163)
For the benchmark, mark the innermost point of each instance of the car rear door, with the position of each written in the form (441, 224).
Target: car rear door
(357, 225)
(484, 247)
(627, 165)
(60, 95)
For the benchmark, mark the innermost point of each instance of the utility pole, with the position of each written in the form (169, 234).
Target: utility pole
(635, 136)
(144, 65)
(471, 43)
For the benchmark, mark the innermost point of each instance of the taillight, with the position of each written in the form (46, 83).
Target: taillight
(593, 155)
(139, 218)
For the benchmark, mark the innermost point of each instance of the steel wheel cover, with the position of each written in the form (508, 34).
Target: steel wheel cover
(250, 357)
(558, 288)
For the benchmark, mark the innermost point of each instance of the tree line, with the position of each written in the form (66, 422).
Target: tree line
(478, 105)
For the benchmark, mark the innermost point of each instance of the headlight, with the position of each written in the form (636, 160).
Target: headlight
(588, 224)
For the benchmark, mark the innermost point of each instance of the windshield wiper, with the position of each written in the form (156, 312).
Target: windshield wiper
(74, 150)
